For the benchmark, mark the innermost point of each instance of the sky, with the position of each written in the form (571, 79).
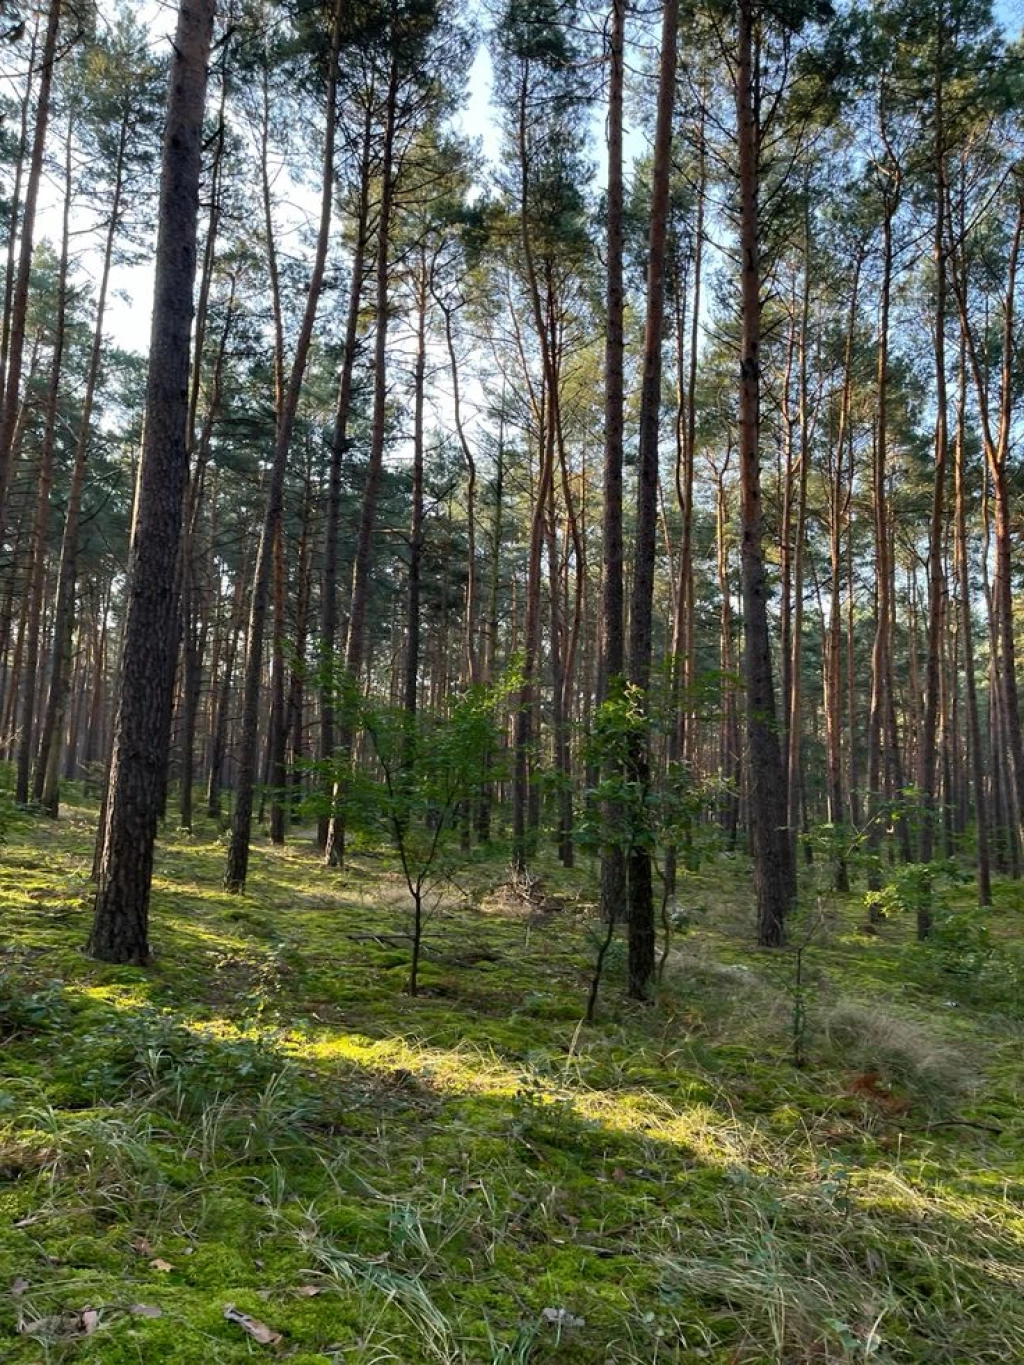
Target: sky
(130, 308)
(130, 304)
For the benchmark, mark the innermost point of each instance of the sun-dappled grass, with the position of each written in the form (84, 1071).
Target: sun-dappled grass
(263, 1120)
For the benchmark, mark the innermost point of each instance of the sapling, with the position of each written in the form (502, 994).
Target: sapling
(628, 814)
(425, 771)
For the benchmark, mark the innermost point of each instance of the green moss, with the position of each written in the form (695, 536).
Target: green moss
(268, 1112)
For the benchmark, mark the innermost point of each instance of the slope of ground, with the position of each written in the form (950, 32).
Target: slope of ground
(262, 1147)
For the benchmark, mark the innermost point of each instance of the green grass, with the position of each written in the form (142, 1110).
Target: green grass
(264, 1120)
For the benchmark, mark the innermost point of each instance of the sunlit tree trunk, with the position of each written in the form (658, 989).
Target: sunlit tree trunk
(135, 784)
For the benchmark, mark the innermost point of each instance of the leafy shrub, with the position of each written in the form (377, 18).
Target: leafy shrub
(910, 888)
(24, 1011)
(964, 957)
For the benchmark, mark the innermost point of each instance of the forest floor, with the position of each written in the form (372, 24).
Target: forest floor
(263, 1147)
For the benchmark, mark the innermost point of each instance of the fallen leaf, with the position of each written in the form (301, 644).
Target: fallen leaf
(307, 1291)
(259, 1331)
(158, 1263)
(146, 1310)
(19, 1286)
(141, 1247)
(90, 1321)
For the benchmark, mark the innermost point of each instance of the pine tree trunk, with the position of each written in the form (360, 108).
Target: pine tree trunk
(977, 752)
(238, 851)
(611, 657)
(639, 871)
(355, 642)
(339, 445)
(19, 304)
(937, 530)
(135, 785)
(774, 874)
(37, 579)
(46, 783)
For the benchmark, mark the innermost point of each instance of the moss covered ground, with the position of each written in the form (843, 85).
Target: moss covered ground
(261, 1146)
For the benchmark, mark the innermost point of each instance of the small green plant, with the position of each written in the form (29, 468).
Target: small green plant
(917, 889)
(426, 770)
(965, 956)
(626, 813)
(28, 1011)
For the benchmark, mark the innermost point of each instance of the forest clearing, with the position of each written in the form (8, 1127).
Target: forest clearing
(511, 758)
(265, 1120)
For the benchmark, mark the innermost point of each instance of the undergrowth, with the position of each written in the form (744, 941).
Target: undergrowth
(262, 1146)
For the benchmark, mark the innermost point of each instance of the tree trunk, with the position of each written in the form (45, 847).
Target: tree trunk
(774, 874)
(238, 852)
(46, 783)
(640, 878)
(19, 303)
(339, 445)
(37, 578)
(611, 659)
(135, 785)
(355, 642)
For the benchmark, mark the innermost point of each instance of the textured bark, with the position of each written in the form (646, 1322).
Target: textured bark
(682, 738)
(222, 704)
(794, 692)
(470, 647)
(525, 802)
(641, 615)
(879, 782)
(937, 590)
(974, 740)
(15, 206)
(412, 624)
(135, 785)
(193, 609)
(774, 875)
(996, 432)
(611, 659)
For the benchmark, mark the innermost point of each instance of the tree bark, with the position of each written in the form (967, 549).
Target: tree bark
(774, 874)
(611, 659)
(640, 878)
(135, 785)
